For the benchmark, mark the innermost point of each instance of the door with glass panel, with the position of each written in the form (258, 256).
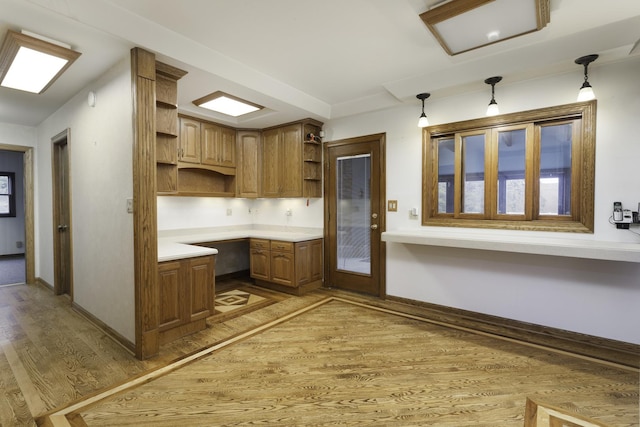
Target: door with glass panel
(354, 214)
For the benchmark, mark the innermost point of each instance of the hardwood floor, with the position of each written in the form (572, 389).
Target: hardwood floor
(369, 365)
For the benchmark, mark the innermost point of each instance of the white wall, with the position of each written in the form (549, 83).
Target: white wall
(203, 212)
(100, 148)
(593, 297)
(12, 228)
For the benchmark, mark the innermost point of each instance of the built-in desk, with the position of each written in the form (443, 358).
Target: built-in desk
(575, 248)
(287, 259)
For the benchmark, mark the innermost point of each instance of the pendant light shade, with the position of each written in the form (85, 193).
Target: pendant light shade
(423, 121)
(586, 91)
(492, 109)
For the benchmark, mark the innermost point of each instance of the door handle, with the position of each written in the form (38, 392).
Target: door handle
(62, 228)
(374, 226)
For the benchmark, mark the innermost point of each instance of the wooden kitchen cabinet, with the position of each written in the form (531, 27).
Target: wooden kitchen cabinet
(186, 296)
(189, 141)
(289, 167)
(206, 159)
(287, 266)
(218, 145)
(207, 143)
(248, 182)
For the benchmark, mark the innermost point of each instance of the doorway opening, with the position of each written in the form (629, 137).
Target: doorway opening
(19, 248)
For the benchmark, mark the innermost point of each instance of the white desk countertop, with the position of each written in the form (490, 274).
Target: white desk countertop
(178, 244)
(576, 248)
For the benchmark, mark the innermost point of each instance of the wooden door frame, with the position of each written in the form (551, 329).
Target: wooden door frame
(29, 211)
(64, 136)
(382, 220)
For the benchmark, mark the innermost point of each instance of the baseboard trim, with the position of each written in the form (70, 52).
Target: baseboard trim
(111, 333)
(40, 281)
(619, 352)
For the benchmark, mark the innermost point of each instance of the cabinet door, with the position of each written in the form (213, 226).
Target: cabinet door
(248, 171)
(211, 144)
(315, 260)
(227, 147)
(201, 283)
(170, 309)
(303, 266)
(189, 140)
(291, 161)
(282, 268)
(259, 260)
(271, 163)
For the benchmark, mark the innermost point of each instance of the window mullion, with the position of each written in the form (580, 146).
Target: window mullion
(491, 175)
(457, 176)
(532, 173)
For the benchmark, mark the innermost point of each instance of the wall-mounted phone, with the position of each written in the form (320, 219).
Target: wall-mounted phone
(617, 211)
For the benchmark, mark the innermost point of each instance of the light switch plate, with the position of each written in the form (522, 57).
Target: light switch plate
(392, 205)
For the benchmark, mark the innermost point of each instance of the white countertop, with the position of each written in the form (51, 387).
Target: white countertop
(576, 248)
(177, 244)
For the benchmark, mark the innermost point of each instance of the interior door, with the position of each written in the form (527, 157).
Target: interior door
(354, 214)
(61, 215)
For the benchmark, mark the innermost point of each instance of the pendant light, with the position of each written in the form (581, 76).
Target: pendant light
(492, 109)
(423, 121)
(586, 91)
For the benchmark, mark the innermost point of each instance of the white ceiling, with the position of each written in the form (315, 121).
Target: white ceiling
(304, 58)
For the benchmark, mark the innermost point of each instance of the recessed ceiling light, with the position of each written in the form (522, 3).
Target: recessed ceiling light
(463, 25)
(32, 63)
(227, 104)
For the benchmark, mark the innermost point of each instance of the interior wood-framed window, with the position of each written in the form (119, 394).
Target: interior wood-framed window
(532, 170)
(7, 194)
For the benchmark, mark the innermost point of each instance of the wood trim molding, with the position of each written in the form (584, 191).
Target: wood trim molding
(143, 74)
(110, 332)
(608, 350)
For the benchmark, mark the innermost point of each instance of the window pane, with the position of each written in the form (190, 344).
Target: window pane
(446, 158)
(555, 170)
(4, 185)
(511, 167)
(473, 174)
(4, 205)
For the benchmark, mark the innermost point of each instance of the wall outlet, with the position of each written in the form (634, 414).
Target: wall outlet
(288, 212)
(129, 205)
(19, 244)
(229, 211)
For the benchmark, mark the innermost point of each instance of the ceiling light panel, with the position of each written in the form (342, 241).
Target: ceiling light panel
(463, 25)
(31, 64)
(227, 104)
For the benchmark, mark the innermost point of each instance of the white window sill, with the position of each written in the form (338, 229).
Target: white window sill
(575, 248)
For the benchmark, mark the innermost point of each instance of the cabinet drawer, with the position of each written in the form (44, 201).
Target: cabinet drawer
(259, 244)
(277, 245)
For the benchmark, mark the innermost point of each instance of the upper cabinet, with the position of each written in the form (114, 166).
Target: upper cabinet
(206, 159)
(291, 164)
(207, 143)
(248, 183)
(200, 158)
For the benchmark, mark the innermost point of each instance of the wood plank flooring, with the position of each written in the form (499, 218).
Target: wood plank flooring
(370, 367)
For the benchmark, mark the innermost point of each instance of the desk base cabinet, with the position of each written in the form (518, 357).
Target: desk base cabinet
(186, 298)
(287, 266)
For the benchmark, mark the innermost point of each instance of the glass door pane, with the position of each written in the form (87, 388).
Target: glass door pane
(353, 190)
